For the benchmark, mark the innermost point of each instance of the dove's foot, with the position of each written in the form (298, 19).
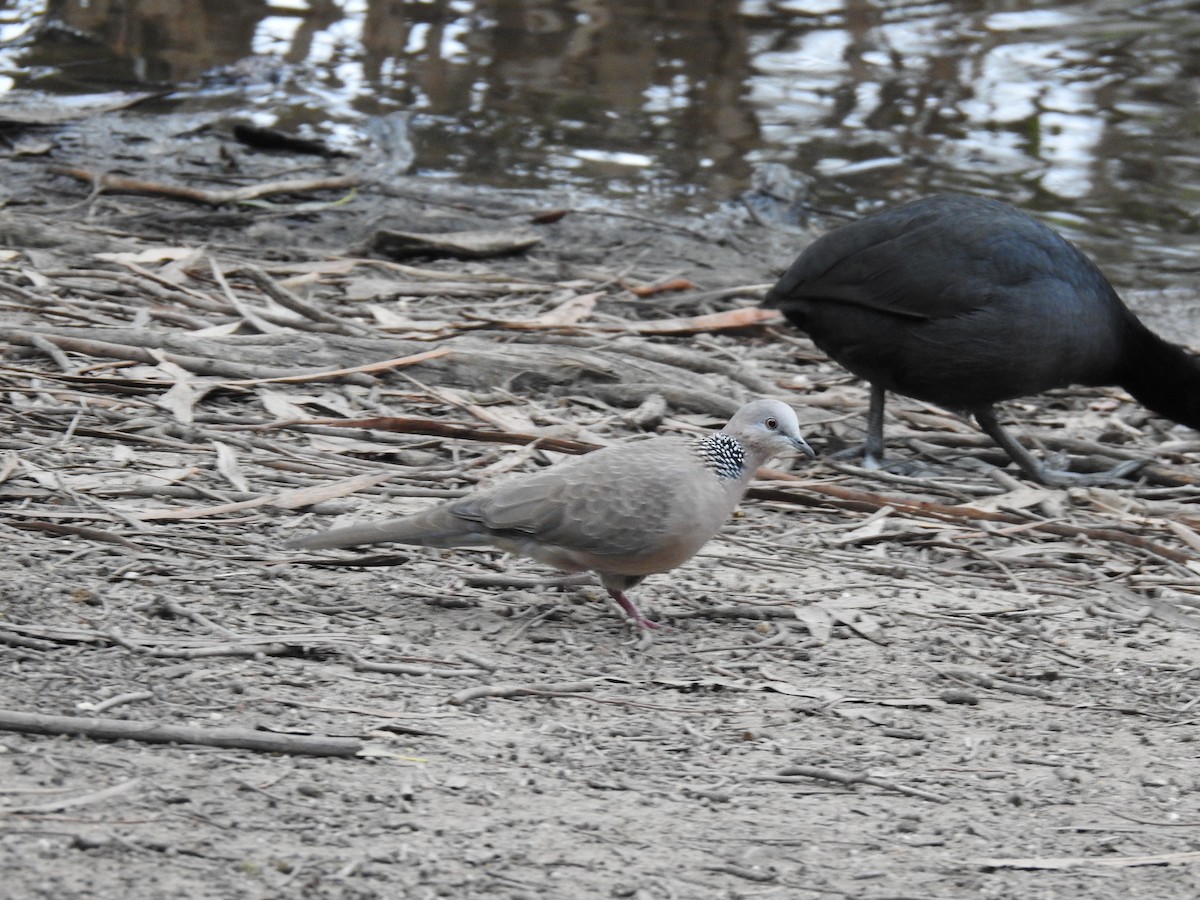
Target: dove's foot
(632, 611)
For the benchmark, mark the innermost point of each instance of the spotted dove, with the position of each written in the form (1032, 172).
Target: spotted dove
(624, 512)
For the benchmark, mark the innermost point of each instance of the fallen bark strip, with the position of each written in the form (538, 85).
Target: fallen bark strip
(366, 368)
(122, 184)
(850, 498)
(194, 364)
(238, 374)
(438, 428)
(154, 733)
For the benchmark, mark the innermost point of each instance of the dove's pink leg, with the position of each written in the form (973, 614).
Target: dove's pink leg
(631, 610)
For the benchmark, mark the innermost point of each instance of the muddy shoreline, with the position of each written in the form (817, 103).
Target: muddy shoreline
(956, 685)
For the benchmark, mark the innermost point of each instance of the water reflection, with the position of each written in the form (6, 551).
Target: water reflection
(1086, 106)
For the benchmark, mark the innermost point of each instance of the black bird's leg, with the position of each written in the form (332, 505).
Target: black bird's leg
(873, 448)
(1039, 472)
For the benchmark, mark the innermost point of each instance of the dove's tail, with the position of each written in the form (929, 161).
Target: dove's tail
(437, 527)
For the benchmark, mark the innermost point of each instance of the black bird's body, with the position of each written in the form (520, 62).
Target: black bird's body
(964, 302)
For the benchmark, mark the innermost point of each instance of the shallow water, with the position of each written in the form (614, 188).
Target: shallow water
(1085, 110)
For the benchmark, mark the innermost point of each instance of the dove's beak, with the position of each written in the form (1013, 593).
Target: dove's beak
(802, 446)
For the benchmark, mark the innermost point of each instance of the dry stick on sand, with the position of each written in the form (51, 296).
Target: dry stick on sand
(122, 184)
(152, 733)
(795, 773)
(1087, 862)
(73, 802)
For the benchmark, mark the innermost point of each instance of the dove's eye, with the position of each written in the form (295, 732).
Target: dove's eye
(772, 423)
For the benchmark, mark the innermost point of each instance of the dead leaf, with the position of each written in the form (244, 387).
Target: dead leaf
(180, 401)
(460, 244)
(12, 462)
(548, 216)
(1022, 498)
(875, 529)
(27, 145)
(860, 623)
(227, 465)
(280, 406)
(152, 255)
(820, 618)
(1184, 533)
(674, 284)
(818, 622)
(44, 477)
(574, 310)
(223, 330)
(393, 321)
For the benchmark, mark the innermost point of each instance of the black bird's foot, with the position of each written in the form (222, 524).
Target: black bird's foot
(856, 454)
(1063, 479)
(865, 455)
(1038, 471)
(879, 463)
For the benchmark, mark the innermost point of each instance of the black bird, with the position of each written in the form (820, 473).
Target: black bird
(964, 302)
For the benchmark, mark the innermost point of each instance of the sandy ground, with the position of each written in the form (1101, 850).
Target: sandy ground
(950, 685)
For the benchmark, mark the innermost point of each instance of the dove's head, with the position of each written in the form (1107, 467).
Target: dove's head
(767, 428)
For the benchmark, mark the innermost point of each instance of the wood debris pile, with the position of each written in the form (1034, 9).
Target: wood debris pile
(173, 412)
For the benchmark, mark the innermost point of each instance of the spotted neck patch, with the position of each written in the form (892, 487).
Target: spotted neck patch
(723, 454)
